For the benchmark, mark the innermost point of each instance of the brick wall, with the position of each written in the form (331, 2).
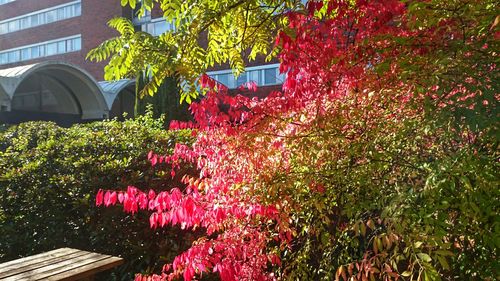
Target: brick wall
(21, 7)
(95, 15)
(156, 12)
(92, 25)
(261, 92)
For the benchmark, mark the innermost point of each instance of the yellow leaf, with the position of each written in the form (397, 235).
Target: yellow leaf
(425, 257)
(363, 229)
(406, 274)
(370, 224)
(418, 244)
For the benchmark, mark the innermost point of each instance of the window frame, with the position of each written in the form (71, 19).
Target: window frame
(249, 75)
(44, 16)
(41, 49)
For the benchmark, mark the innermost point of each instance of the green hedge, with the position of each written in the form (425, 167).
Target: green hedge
(48, 180)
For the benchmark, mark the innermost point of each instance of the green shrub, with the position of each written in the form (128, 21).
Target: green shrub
(49, 177)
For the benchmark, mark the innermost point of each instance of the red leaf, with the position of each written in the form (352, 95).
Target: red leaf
(120, 197)
(151, 194)
(112, 198)
(107, 202)
(154, 160)
(99, 197)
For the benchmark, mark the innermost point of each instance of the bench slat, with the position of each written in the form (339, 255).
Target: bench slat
(43, 272)
(40, 262)
(31, 259)
(61, 264)
(86, 270)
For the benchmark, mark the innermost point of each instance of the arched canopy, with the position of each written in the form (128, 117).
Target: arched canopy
(120, 96)
(112, 89)
(71, 89)
(4, 99)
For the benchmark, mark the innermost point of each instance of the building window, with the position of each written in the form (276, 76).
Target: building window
(35, 101)
(35, 52)
(4, 58)
(37, 18)
(77, 10)
(51, 49)
(13, 25)
(13, 56)
(25, 22)
(242, 79)
(138, 19)
(51, 16)
(263, 75)
(44, 49)
(77, 43)
(69, 45)
(157, 27)
(270, 76)
(256, 76)
(6, 1)
(226, 79)
(26, 54)
(61, 47)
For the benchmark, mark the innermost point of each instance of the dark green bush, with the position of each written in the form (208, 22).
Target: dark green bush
(48, 180)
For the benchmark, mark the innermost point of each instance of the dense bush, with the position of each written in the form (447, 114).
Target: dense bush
(378, 160)
(49, 177)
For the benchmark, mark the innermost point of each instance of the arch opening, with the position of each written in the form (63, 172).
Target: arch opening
(41, 96)
(120, 96)
(57, 92)
(4, 100)
(124, 103)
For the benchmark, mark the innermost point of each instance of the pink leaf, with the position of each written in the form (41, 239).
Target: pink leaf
(99, 197)
(120, 197)
(107, 202)
(112, 198)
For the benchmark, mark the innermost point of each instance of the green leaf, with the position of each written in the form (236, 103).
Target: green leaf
(424, 257)
(444, 253)
(443, 262)
(406, 274)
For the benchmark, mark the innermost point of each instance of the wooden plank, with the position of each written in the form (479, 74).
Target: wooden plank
(41, 262)
(27, 259)
(4, 267)
(86, 270)
(43, 272)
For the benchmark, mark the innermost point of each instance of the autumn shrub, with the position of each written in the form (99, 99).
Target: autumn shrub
(48, 179)
(378, 160)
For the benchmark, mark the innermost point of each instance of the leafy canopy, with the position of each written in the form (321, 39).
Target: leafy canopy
(206, 33)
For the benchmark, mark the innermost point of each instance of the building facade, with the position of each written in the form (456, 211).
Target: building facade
(44, 73)
(57, 30)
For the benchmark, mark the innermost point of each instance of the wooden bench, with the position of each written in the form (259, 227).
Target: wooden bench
(60, 264)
